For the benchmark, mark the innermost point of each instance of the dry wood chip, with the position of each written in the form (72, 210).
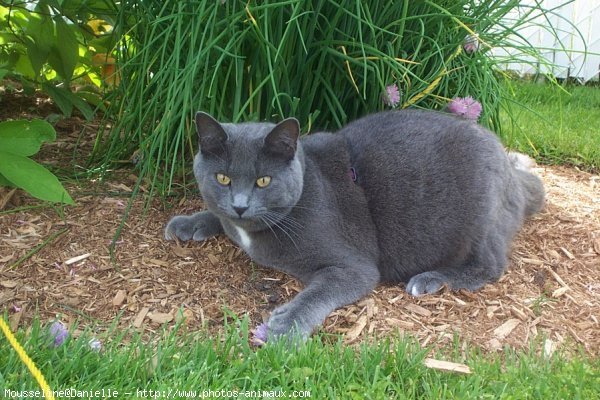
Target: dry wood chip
(160, 263)
(518, 313)
(354, 332)
(532, 261)
(213, 259)
(549, 347)
(494, 344)
(447, 366)
(7, 258)
(568, 253)
(73, 260)
(139, 319)
(9, 284)
(506, 328)
(417, 309)
(160, 318)
(560, 291)
(596, 244)
(183, 252)
(187, 316)
(119, 297)
(400, 323)
(557, 277)
(14, 320)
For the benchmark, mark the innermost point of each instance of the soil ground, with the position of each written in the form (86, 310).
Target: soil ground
(550, 293)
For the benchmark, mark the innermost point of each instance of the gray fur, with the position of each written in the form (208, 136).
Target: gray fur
(437, 202)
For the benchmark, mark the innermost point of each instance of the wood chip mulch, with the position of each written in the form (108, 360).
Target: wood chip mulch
(550, 294)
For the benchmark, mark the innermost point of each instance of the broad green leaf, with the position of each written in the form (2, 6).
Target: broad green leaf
(5, 182)
(65, 100)
(3, 73)
(60, 97)
(41, 32)
(65, 52)
(32, 177)
(23, 137)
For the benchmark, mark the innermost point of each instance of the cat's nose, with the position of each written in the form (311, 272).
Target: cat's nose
(240, 210)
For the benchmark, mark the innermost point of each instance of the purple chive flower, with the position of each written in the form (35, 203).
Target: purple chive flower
(466, 107)
(95, 344)
(391, 97)
(471, 44)
(259, 335)
(59, 333)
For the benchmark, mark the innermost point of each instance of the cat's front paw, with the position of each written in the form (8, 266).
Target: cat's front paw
(185, 228)
(426, 283)
(285, 323)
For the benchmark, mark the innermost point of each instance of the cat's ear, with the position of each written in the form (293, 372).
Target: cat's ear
(283, 139)
(211, 135)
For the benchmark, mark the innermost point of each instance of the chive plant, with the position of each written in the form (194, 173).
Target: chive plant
(324, 62)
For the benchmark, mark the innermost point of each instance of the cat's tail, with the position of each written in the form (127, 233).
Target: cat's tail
(534, 189)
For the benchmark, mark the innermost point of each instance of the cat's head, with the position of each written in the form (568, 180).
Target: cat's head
(249, 173)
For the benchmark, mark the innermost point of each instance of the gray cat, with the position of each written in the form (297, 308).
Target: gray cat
(410, 196)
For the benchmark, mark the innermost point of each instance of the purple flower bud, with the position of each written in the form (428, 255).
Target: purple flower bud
(259, 335)
(471, 44)
(466, 107)
(58, 332)
(391, 97)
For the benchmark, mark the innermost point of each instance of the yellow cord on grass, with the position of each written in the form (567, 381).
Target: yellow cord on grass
(37, 374)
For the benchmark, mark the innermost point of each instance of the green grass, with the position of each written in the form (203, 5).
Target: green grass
(556, 125)
(325, 63)
(324, 367)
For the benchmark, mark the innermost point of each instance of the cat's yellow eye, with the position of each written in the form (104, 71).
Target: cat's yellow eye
(263, 182)
(223, 179)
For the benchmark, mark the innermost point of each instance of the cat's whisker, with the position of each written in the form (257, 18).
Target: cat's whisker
(291, 221)
(276, 223)
(283, 221)
(266, 222)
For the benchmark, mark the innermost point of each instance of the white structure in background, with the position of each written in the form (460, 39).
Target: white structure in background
(577, 26)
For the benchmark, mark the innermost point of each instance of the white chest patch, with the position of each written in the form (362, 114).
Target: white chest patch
(245, 241)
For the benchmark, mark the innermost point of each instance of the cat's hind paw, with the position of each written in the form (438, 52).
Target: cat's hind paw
(426, 283)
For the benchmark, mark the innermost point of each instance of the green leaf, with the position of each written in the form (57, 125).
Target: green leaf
(23, 137)
(3, 73)
(41, 32)
(32, 177)
(65, 52)
(5, 182)
(65, 100)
